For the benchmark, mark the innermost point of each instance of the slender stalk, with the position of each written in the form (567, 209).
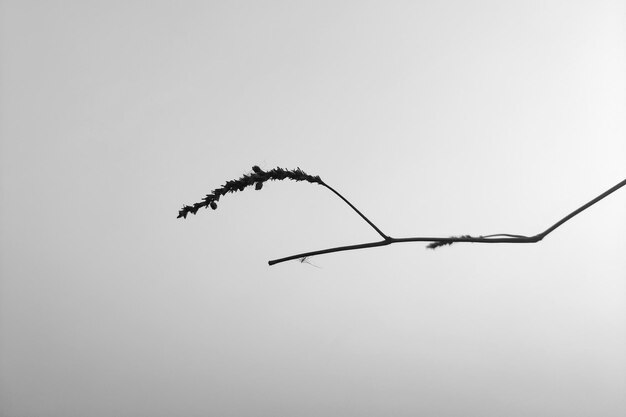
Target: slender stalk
(391, 240)
(383, 242)
(384, 236)
(440, 241)
(472, 239)
(258, 176)
(504, 234)
(583, 207)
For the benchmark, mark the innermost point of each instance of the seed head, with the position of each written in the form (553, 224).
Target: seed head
(256, 178)
(438, 243)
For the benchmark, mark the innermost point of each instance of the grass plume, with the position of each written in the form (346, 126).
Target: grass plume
(257, 177)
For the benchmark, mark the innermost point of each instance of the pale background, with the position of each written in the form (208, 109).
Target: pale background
(435, 118)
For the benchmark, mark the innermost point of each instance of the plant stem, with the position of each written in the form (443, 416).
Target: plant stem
(495, 238)
(583, 207)
(331, 250)
(392, 240)
(384, 236)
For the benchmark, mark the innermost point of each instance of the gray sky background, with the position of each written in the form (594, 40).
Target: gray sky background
(434, 118)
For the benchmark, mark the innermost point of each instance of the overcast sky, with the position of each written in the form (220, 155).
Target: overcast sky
(434, 118)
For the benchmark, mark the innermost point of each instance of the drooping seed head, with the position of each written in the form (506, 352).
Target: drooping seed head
(256, 178)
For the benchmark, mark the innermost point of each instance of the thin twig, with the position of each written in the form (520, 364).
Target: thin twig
(383, 242)
(258, 177)
(384, 236)
(391, 240)
(439, 241)
(581, 208)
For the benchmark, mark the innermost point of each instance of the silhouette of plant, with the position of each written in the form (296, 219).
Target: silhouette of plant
(257, 177)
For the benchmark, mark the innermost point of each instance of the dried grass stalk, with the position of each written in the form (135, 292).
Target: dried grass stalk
(257, 177)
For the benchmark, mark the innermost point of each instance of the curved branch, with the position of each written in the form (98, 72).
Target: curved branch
(258, 177)
(391, 240)
(384, 236)
(439, 241)
(383, 242)
(581, 208)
